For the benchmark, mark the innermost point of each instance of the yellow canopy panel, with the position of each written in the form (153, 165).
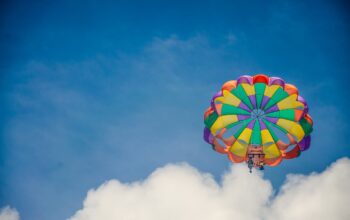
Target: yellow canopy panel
(229, 99)
(223, 121)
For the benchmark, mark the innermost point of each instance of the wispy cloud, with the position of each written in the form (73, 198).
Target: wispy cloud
(91, 119)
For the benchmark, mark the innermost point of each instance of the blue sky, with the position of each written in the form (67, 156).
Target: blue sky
(97, 90)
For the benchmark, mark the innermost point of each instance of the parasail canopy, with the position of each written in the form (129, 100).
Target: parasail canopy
(258, 119)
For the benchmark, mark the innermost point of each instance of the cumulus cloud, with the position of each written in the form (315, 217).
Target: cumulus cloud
(316, 196)
(179, 191)
(7, 213)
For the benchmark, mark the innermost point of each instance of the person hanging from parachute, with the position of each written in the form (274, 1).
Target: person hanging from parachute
(259, 120)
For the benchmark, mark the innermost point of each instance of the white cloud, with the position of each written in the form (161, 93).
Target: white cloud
(180, 192)
(7, 213)
(317, 196)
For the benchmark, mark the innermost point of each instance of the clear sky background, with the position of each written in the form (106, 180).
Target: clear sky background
(96, 90)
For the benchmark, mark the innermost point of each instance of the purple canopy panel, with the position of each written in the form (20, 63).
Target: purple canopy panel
(253, 100)
(262, 125)
(242, 117)
(212, 100)
(302, 100)
(264, 101)
(245, 79)
(276, 81)
(251, 124)
(304, 144)
(273, 108)
(244, 106)
(272, 120)
(208, 137)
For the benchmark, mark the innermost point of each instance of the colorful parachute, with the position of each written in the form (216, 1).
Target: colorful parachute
(259, 120)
